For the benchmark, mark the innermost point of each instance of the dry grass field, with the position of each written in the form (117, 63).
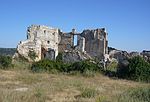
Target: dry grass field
(25, 86)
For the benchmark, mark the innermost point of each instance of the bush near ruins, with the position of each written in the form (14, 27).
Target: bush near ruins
(5, 62)
(84, 67)
(47, 65)
(59, 57)
(111, 69)
(138, 69)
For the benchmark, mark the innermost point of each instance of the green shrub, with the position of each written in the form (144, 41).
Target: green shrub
(111, 69)
(43, 66)
(138, 69)
(5, 62)
(59, 57)
(84, 66)
(136, 95)
(123, 70)
(112, 66)
(47, 65)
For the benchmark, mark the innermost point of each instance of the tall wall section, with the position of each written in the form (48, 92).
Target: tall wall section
(96, 43)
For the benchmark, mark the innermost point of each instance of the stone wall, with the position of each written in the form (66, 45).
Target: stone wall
(95, 42)
(66, 42)
(39, 39)
(46, 42)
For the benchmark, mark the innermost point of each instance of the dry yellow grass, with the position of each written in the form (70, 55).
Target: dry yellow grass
(24, 86)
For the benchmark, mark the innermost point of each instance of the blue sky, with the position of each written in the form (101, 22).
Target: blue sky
(127, 21)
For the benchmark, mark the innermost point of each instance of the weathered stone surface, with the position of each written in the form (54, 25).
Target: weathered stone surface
(74, 56)
(66, 42)
(119, 55)
(96, 44)
(46, 42)
(39, 39)
(124, 55)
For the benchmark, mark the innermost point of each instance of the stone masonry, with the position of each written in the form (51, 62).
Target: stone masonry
(96, 44)
(47, 42)
(42, 40)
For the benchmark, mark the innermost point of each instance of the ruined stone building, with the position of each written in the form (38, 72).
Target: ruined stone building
(47, 42)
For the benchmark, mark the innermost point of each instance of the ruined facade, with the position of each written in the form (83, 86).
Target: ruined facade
(46, 42)
(42, 40)
(96, 44)
(66, 42)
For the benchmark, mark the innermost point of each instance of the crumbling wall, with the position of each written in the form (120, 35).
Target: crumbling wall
(66, 42)
(46, 42)
(38, 38)
(95, 42)
(74, 56)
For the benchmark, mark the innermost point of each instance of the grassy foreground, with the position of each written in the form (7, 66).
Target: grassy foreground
(25, 86)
